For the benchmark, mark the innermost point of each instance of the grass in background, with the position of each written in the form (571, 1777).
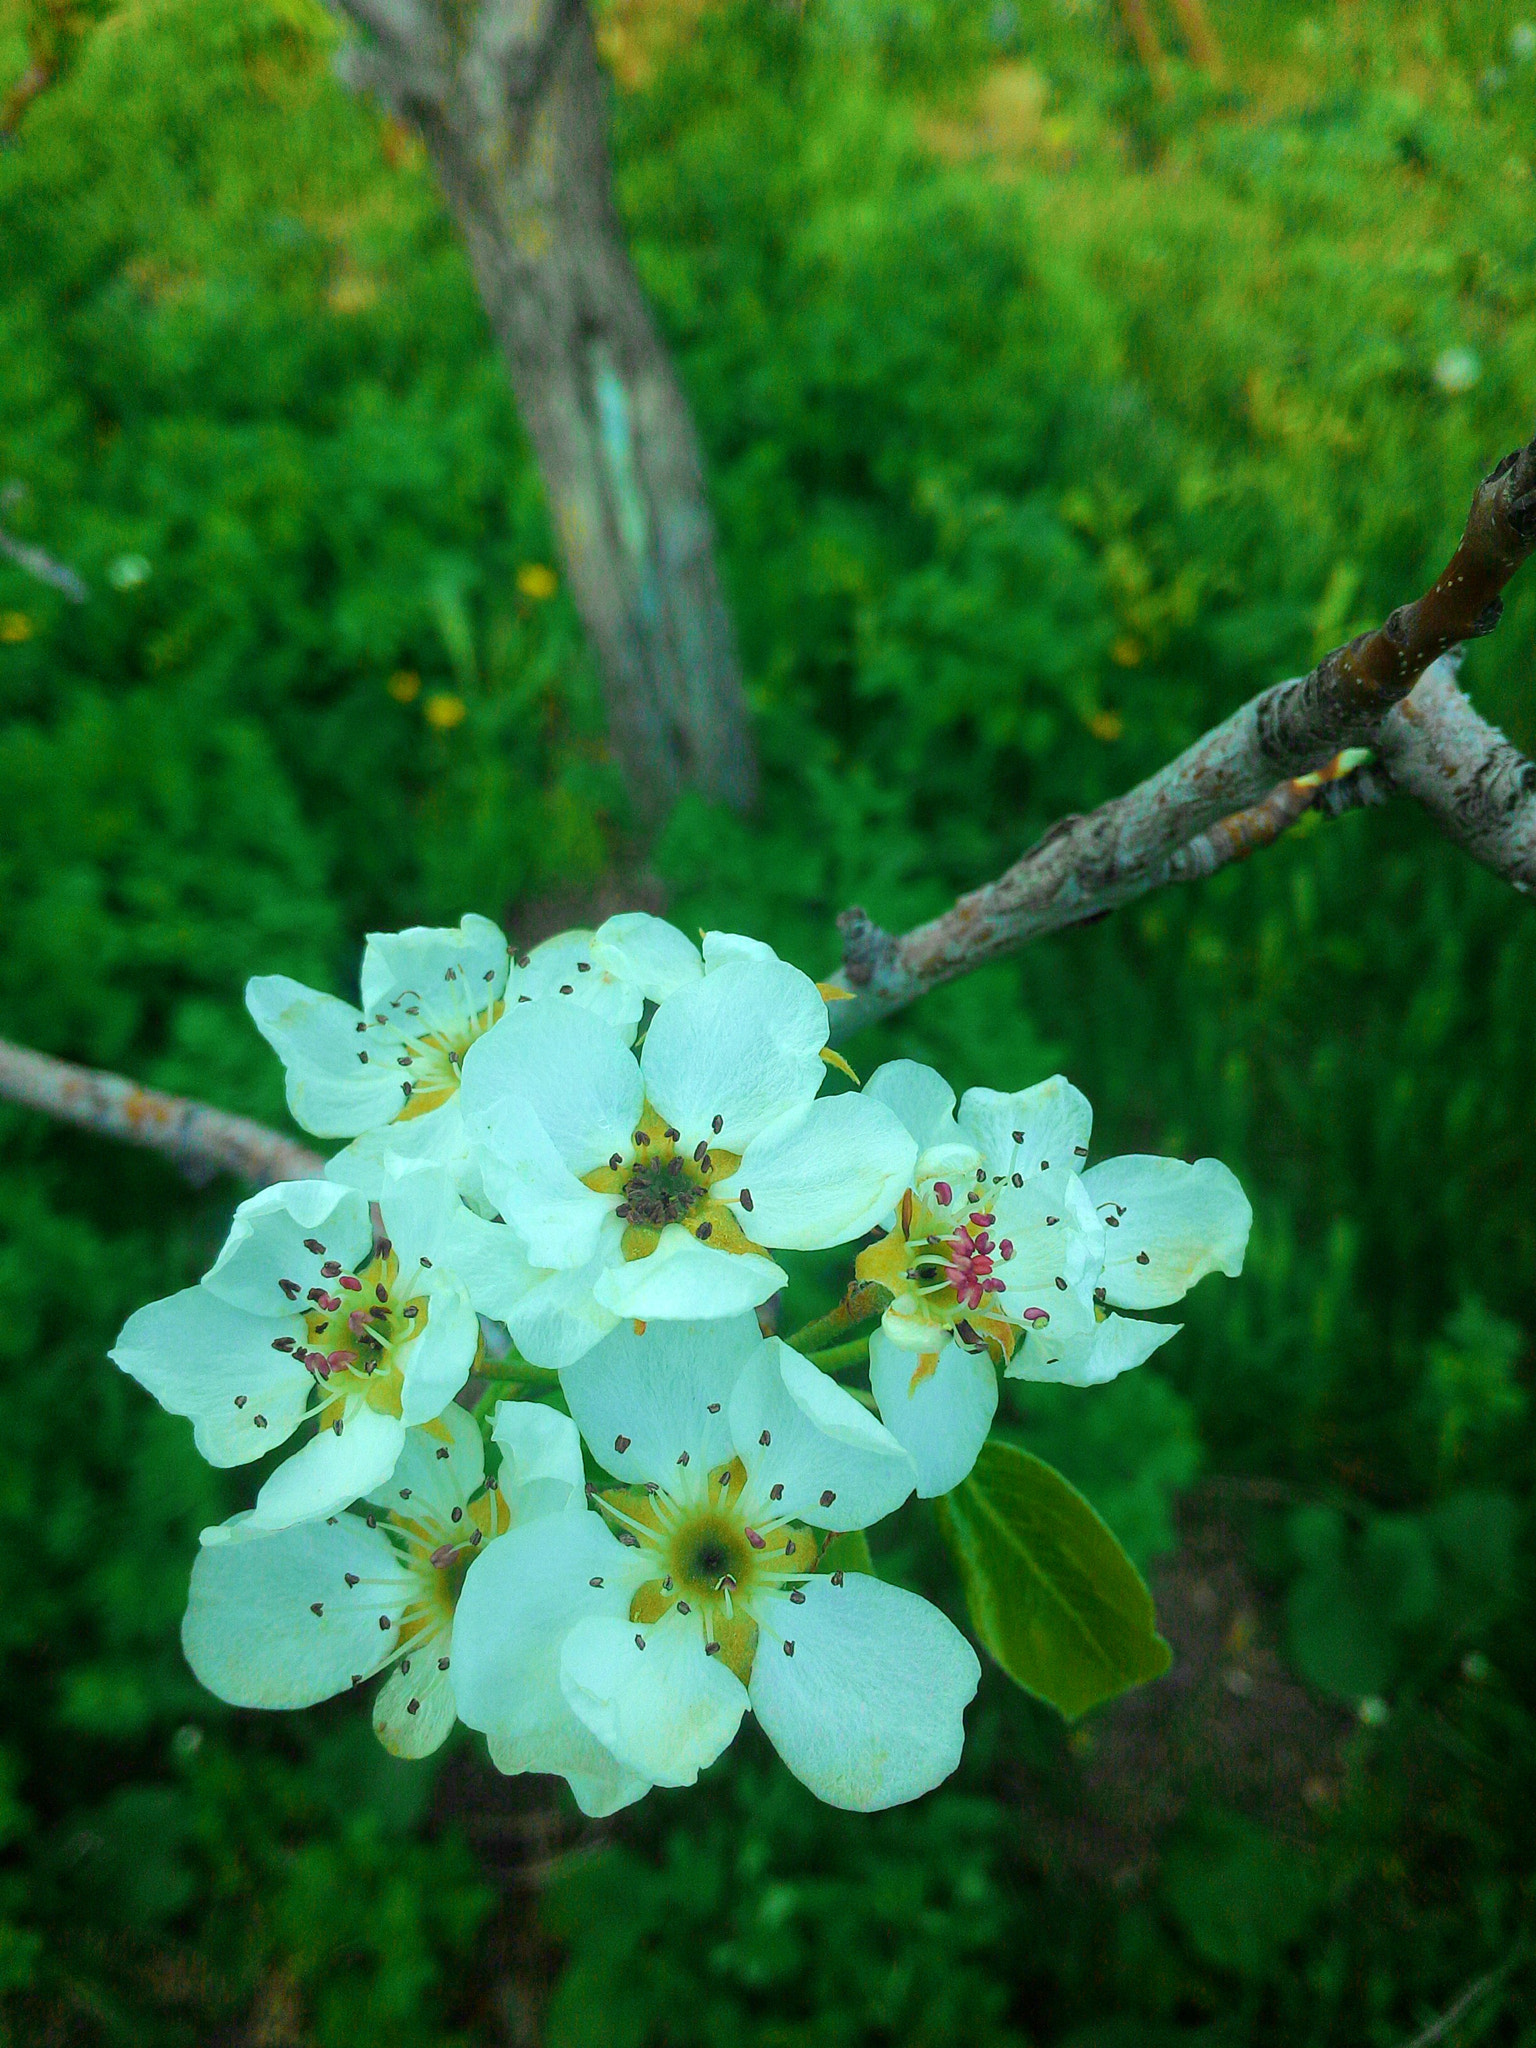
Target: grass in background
(1047, 419)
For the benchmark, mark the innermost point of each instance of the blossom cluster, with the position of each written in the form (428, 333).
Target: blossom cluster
(545, 1463)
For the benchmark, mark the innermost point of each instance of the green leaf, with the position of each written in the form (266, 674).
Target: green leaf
(1052, 1595)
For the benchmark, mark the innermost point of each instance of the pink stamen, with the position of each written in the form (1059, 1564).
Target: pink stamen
(944, 1191)
(968, 1266)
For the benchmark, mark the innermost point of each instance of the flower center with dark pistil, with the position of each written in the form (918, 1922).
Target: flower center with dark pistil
(709, 1561)
(660, 1191)
(659, 1182)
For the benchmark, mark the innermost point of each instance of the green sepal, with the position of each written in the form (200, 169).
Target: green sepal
(1051, 1594)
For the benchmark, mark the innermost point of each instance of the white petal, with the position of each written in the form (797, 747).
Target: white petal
(201, 1358)
(267, 1244)
(521, 1599)
(796, 1428)
(330, 1091)
(743, 1044)
(644, 1400)
(560, 1319)
(683, 1278)
(251, 1633)
(421, 959)
(436, 1139)
(419, 1202)
(558, 1219)
(413, 1712)
(441, 1464)
(650, 1694)
(647, 952)
(909, 1324)
(437, 1363)
(1174, 1224)
(574, 1071)
(604, 1786)
(823, 1174)
(541, 1465)
(567, 969)
(869, 1710)
(920, 1096)
(1056, 1241)
(1056, 1342)
(1088, 1358)
(490, 1260)
(722, 948)
(942, 1416)
(331, 1470)
(1031, 1131)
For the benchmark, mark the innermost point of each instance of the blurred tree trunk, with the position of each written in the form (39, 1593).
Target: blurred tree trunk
(511, 102)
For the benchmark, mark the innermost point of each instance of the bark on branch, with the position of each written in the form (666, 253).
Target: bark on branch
(511, 102)
(200, 1140)
(1432, 745)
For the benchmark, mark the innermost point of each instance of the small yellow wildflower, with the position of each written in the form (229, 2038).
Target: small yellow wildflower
(15, 626)
(537, 581)
(444, 710)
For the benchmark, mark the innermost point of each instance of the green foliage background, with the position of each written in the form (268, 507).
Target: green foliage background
(1047, 419)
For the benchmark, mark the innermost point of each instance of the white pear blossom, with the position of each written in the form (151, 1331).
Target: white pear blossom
(321, 1307)
(1167, 1223)
(387, 1075)
(658, 1185)
(973, 1259)
(293, 1616)
(620, 1647)
(1007, 1250)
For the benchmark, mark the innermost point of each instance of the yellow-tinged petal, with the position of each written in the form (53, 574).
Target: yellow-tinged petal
(885, 1261)
(738, 1645)
(927, 1366)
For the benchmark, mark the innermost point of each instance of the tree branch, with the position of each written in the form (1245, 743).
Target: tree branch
(1478, 787)
(1382, 716)
(1148, 47)
(36, 562)
(200, 1140)
(1200, 38)
(404, 27)
(1479, 790)
(1347, 779)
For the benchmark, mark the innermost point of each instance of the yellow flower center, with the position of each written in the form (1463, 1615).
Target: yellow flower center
(658, 1183)
(356, 1328)
(424, 1037)
(711, 1563)
(435, 1060)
